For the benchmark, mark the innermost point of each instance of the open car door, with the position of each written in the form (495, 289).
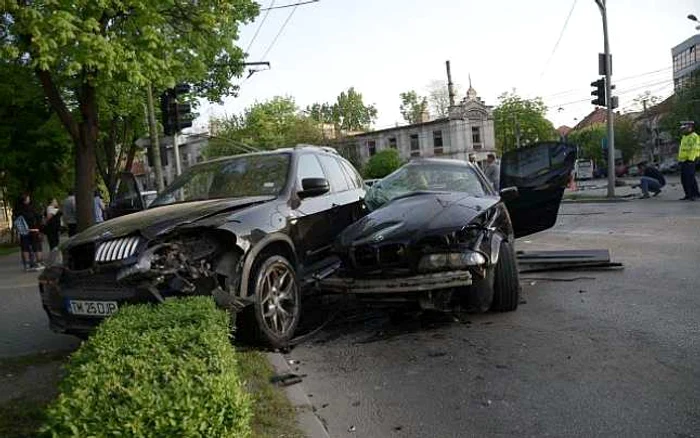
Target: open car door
(540, 172)
(127, 196)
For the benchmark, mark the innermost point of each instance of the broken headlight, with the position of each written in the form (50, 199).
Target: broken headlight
(451, 260)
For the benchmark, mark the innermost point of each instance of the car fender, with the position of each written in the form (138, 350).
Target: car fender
(496, 240)
(256, 250)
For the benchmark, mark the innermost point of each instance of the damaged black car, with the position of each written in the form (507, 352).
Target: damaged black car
(253, 230)
(440, 236)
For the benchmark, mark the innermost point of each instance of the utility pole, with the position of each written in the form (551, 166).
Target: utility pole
(450, 85)
(153, 133)
(609, 100)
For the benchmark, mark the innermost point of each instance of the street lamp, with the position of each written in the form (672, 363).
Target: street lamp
(609, 100)
(692, 17)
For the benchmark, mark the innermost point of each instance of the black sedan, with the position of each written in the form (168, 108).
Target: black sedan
(253, 230)
(439, 235)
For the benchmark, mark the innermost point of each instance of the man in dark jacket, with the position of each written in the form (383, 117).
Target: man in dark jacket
(651, 179)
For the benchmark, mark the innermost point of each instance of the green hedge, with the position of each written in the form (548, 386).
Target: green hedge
(154, 371)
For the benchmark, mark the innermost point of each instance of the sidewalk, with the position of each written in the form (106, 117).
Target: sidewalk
(23, 323)
(597, 190)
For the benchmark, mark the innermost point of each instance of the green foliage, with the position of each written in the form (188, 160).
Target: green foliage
(264, 125)
(154, 370)
(589, 140)
(685, 105)
(514, 114)
(627, 137)
(348, 113)
(413, 106)
(35, 150)
(382, 163)
(439, 98)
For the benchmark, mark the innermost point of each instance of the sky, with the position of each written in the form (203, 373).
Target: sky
(385, 47)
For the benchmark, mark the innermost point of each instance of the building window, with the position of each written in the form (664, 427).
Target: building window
(392, 143)
(415, 145)
(372, 147)
(437, 142)
(476, 137)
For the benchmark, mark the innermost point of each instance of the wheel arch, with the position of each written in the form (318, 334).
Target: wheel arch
(279, 244)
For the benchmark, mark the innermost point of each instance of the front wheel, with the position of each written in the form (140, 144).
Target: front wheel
(506, 287)
(276, 301)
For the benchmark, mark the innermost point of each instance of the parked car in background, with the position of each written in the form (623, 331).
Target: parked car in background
(583, 169)
(632, 170)
(253, 230)
(669, 166)
(439, 236)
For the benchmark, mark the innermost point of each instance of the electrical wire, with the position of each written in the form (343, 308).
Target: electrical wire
(257, 31)
(272, 44)
(290, 5)
(561, 35)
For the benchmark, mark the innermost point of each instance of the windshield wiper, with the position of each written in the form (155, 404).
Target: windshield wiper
(417, 193)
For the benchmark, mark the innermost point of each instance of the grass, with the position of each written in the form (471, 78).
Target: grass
(7, 249)
(15, 365)
(22, 417)
(273, 415)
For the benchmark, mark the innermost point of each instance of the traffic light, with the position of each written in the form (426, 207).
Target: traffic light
(176, 116)
(599, 92)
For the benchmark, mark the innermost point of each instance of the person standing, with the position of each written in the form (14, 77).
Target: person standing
(688, 153)
(27, 223)
(492, 171)
(52, 225)
(651, 179)
(99, 208)
(69, 216)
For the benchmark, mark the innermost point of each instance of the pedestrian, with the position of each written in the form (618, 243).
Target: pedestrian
(651, 179)
(27, 223)
(688, 154)
(52, 224)
(99, 207)
(69, 216)
(492, 171)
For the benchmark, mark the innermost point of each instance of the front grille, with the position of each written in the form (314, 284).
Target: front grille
(378, 256)
(82, 256)
(117, 249)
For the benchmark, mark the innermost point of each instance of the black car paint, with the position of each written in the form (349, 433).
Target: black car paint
(300, 228)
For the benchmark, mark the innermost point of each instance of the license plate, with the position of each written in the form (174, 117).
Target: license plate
(92, 308)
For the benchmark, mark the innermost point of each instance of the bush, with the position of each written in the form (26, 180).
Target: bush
(154, 371)
(382, 163)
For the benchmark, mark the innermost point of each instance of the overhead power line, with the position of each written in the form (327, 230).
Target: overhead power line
(257, 31)
(294, 5)
(272, 44)
(561, 35)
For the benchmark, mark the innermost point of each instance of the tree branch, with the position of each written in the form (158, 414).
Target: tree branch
(58, 104)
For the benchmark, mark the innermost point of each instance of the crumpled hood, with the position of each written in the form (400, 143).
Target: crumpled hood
(158, 220)
(410, 218)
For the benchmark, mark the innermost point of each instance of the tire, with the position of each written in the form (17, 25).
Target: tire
(506, 280)
(478, 297)
(276, 309)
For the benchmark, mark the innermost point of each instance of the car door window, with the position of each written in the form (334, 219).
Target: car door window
(352, 174)
(335, 173)
(308, 167)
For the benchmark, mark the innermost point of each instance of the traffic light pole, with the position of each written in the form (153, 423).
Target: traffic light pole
(609, 100)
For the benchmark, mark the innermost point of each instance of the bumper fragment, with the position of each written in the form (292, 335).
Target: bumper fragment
(416, 283)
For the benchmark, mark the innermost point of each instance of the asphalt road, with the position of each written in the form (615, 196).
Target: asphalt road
(613, 354)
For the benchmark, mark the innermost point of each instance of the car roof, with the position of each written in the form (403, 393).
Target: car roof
(287, 150)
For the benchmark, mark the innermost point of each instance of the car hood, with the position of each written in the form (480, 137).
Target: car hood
(159, 220)
(413, 217)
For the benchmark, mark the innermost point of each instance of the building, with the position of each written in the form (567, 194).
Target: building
(563, 132)
(659, 145)
(190, 148)
(468, 130)
(686, 60)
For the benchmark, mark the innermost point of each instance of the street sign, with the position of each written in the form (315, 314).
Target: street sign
(601, 64)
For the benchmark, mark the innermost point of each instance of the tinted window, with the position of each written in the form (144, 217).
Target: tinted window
(354, 176)
(334, 172)
(308, 167)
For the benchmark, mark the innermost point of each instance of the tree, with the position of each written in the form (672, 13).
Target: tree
(589, 141)
(35, 150)
(515, 116)
(348, 113)
(685, 105)
(413, 106)
(78, 47)
(645, 100)
(439, 98)
(382, 163)
(627, 137)
(264, 125)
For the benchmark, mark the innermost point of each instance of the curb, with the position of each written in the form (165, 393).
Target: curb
(594, 201)
(308, 421)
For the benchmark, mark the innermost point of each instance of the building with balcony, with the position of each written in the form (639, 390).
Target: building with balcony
(686, 60)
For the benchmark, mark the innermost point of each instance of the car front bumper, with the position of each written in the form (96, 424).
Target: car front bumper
(58, 286)
(416, 283)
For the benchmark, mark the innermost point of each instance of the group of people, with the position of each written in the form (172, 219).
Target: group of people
(32, 224)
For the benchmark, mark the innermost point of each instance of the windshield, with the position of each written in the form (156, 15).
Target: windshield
(254, 175)
(422, 178)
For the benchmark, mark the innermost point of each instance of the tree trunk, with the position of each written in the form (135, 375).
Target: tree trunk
(86, 158)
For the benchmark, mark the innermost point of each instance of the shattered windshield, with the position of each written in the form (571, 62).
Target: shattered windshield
(254, 175)
(424, 178)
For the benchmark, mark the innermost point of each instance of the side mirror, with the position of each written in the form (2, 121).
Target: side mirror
(313, 187)
(509, 193)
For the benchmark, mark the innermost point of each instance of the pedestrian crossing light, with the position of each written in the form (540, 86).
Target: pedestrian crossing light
(599, 92)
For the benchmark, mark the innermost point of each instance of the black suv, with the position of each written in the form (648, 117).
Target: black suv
(251, 229)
